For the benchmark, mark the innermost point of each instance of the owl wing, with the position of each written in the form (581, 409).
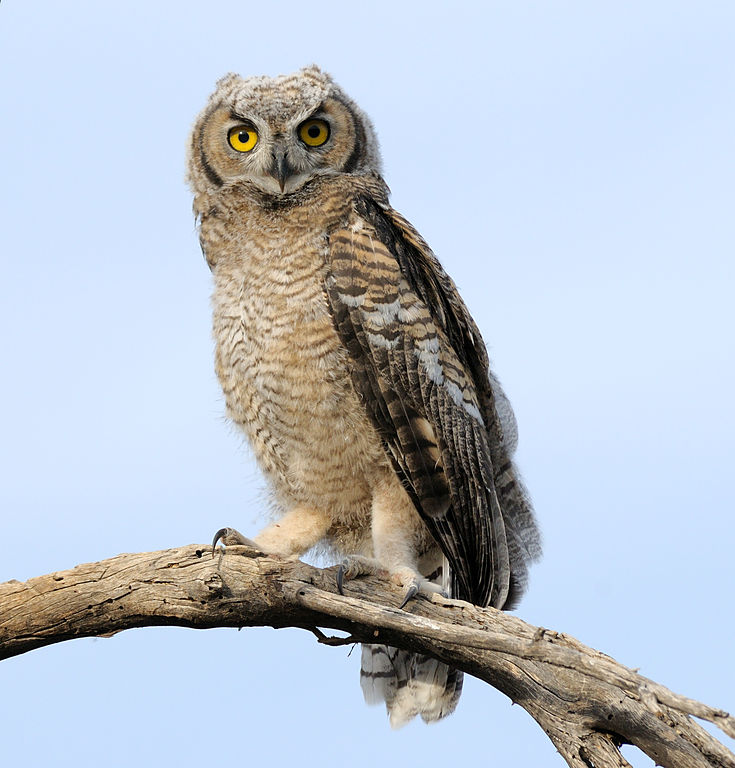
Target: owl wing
(421, 368)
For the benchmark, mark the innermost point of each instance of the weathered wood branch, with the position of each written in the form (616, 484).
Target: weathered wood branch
(586, 702)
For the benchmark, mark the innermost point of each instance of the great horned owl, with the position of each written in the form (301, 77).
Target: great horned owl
(352, 364)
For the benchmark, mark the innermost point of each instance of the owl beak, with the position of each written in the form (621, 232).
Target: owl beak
(280, 168)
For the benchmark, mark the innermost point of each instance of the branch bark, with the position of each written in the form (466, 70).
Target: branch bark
(585, 701)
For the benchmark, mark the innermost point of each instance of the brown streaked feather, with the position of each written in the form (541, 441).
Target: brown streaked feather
(524, 542)
(420, 365)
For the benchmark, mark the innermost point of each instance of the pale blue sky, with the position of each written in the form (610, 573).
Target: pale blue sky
(571, 163)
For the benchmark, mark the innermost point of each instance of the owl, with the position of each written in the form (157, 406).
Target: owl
(352, 365)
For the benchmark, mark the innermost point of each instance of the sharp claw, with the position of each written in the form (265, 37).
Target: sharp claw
(340, 578)
(413, 590)
(221, 533)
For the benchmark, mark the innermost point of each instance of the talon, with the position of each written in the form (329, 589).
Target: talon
(413, 590)
(231, 536)
(354, 566)
(221, 533)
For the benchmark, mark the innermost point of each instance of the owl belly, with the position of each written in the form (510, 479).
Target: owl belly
(286, 380)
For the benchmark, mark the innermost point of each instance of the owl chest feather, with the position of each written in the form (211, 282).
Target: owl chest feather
(285, 373)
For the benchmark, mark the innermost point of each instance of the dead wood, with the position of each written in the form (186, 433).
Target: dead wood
(585, 701)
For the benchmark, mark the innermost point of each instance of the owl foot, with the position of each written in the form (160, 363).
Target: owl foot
(424, 587)
(355, 566)
(230, 537)
(416, 585)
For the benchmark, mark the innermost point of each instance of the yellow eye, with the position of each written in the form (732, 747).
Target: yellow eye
(242, 138)
(314, 133)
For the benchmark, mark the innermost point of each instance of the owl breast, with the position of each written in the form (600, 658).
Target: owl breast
(286, 376)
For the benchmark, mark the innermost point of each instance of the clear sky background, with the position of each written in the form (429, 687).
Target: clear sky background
(573, 166)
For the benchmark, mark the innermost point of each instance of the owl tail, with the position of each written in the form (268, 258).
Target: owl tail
(410, 684)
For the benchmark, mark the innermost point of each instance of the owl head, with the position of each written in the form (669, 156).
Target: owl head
(278, 133)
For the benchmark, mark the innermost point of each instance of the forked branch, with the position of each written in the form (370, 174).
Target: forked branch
(585, 701)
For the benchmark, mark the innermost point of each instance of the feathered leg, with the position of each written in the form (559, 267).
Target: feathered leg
(295, 533)
(398, 534)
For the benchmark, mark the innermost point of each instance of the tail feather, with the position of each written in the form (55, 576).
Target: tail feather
(410, 684)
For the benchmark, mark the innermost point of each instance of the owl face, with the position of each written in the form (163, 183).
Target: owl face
(279, 133)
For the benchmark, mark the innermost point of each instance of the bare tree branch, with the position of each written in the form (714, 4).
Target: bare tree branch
(585, 701)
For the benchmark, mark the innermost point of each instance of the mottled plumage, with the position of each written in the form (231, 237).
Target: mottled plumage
(350, 361)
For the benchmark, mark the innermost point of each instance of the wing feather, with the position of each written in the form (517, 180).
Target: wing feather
(420, 365)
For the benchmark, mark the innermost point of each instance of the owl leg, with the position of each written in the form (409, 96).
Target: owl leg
(295, 533)
(397, 530)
